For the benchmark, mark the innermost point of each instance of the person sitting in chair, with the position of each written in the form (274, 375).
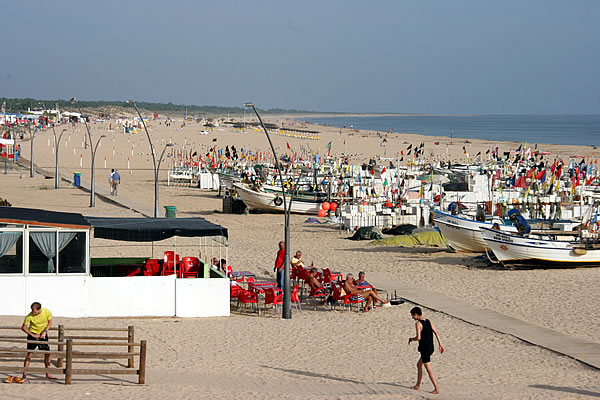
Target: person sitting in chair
(317, 286)
(368, 296)
(361, 283)
(297, 260)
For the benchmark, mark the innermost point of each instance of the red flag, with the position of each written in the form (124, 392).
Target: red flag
(288, 145)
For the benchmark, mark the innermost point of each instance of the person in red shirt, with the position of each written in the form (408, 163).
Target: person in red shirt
(279, 267)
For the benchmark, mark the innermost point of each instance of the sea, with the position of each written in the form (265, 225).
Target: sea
(583, 130)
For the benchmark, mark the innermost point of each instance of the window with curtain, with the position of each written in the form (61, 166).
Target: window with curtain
(11, 252)
(71, 257)
(42, 252)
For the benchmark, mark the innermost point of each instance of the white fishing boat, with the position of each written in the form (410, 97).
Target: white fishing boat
(257, 199)
(463, 233)
(535, 251)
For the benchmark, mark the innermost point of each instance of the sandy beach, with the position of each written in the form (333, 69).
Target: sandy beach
(319, 354)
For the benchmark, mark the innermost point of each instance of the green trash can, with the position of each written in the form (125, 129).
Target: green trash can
(170, 211)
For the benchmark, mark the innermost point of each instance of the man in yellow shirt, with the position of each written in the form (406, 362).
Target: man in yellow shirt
(36, 325)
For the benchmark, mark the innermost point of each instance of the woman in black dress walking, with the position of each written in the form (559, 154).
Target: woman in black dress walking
(425, 332)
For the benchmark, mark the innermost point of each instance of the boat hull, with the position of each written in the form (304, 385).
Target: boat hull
(259, 200)
(536, 252)
(463, 234)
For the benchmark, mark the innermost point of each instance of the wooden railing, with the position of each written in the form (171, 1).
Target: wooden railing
(65, 353)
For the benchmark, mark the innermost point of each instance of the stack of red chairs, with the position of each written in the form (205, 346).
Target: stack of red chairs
(169, 261)
(152, 267)
(189, 267)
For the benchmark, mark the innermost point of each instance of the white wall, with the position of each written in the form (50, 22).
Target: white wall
(202, 297)
(63, 295)
(12, 296)
(85, 296)
(135, 296)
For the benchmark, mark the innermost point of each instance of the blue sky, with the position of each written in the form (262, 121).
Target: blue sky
(417, 56)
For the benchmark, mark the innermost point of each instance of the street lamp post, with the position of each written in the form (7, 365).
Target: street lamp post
(57, 146)
(93, 153)
(31, 138)
(287, 303)
(153, 158)
(93, 150)
(156, 179)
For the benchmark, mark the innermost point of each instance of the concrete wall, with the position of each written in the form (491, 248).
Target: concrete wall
(202, 297)
(66, 296)
(85, 296)
(136, 296)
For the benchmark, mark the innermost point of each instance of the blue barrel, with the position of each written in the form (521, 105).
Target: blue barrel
(77, 179)
(170, 211)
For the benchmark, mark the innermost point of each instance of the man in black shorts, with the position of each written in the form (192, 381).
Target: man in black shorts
(36, 326)
(425, 332)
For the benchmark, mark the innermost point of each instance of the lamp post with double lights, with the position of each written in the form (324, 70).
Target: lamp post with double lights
(93, 153)
(56, 146)
(287, 301)
(156, 167)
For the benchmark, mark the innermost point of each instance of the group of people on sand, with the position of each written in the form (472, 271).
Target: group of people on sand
(361, 289)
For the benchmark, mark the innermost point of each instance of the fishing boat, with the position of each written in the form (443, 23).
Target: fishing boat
(533, 250)
(257, 198)
(464, 234)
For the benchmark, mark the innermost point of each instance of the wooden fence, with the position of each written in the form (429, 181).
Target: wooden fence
(66, 354)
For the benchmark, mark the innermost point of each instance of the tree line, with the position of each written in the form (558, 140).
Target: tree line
(17, 105)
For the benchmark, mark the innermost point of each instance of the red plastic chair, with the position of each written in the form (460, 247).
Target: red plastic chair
(249, 279)
(152, 267)
(295, 298)
(318, 293)
(351, 299)
(273, 296)
(247, 297)
(336, 294)
(169, 261)
(331, 277)
(229, 270)
(235, 291)
(189, 267)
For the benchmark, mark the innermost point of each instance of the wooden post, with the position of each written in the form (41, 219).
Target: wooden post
(142, 370)
(61, 347)
(130, 348)
(69, 362)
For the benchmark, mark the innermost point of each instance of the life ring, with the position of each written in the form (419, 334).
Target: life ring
(278, 201)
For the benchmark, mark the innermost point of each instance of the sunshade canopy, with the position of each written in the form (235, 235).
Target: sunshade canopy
(153, 229)
(33, 216)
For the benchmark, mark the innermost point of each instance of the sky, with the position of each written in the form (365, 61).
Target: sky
(386, 56)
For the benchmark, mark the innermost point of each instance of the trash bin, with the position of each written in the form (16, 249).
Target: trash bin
(170, 211)
(77, 179)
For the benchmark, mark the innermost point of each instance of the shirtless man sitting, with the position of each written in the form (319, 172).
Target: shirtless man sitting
(314, 283)
(368, 295)
(361, 283)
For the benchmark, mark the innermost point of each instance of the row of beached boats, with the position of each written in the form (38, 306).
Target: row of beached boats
(553, 202)
(559, 244)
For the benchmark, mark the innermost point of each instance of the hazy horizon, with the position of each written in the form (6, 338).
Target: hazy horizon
(401, 57)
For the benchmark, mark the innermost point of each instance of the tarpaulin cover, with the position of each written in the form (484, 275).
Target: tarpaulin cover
(153, 229)
(429, 237)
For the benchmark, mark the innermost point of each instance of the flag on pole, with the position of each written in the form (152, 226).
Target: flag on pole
(328, 146)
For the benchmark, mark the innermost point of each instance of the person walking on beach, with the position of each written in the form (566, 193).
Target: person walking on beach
(110, 181)
(425, 331)
(279, 267)
(116, 181)
(36, 326)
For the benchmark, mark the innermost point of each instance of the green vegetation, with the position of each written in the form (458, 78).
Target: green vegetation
(21, 105)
